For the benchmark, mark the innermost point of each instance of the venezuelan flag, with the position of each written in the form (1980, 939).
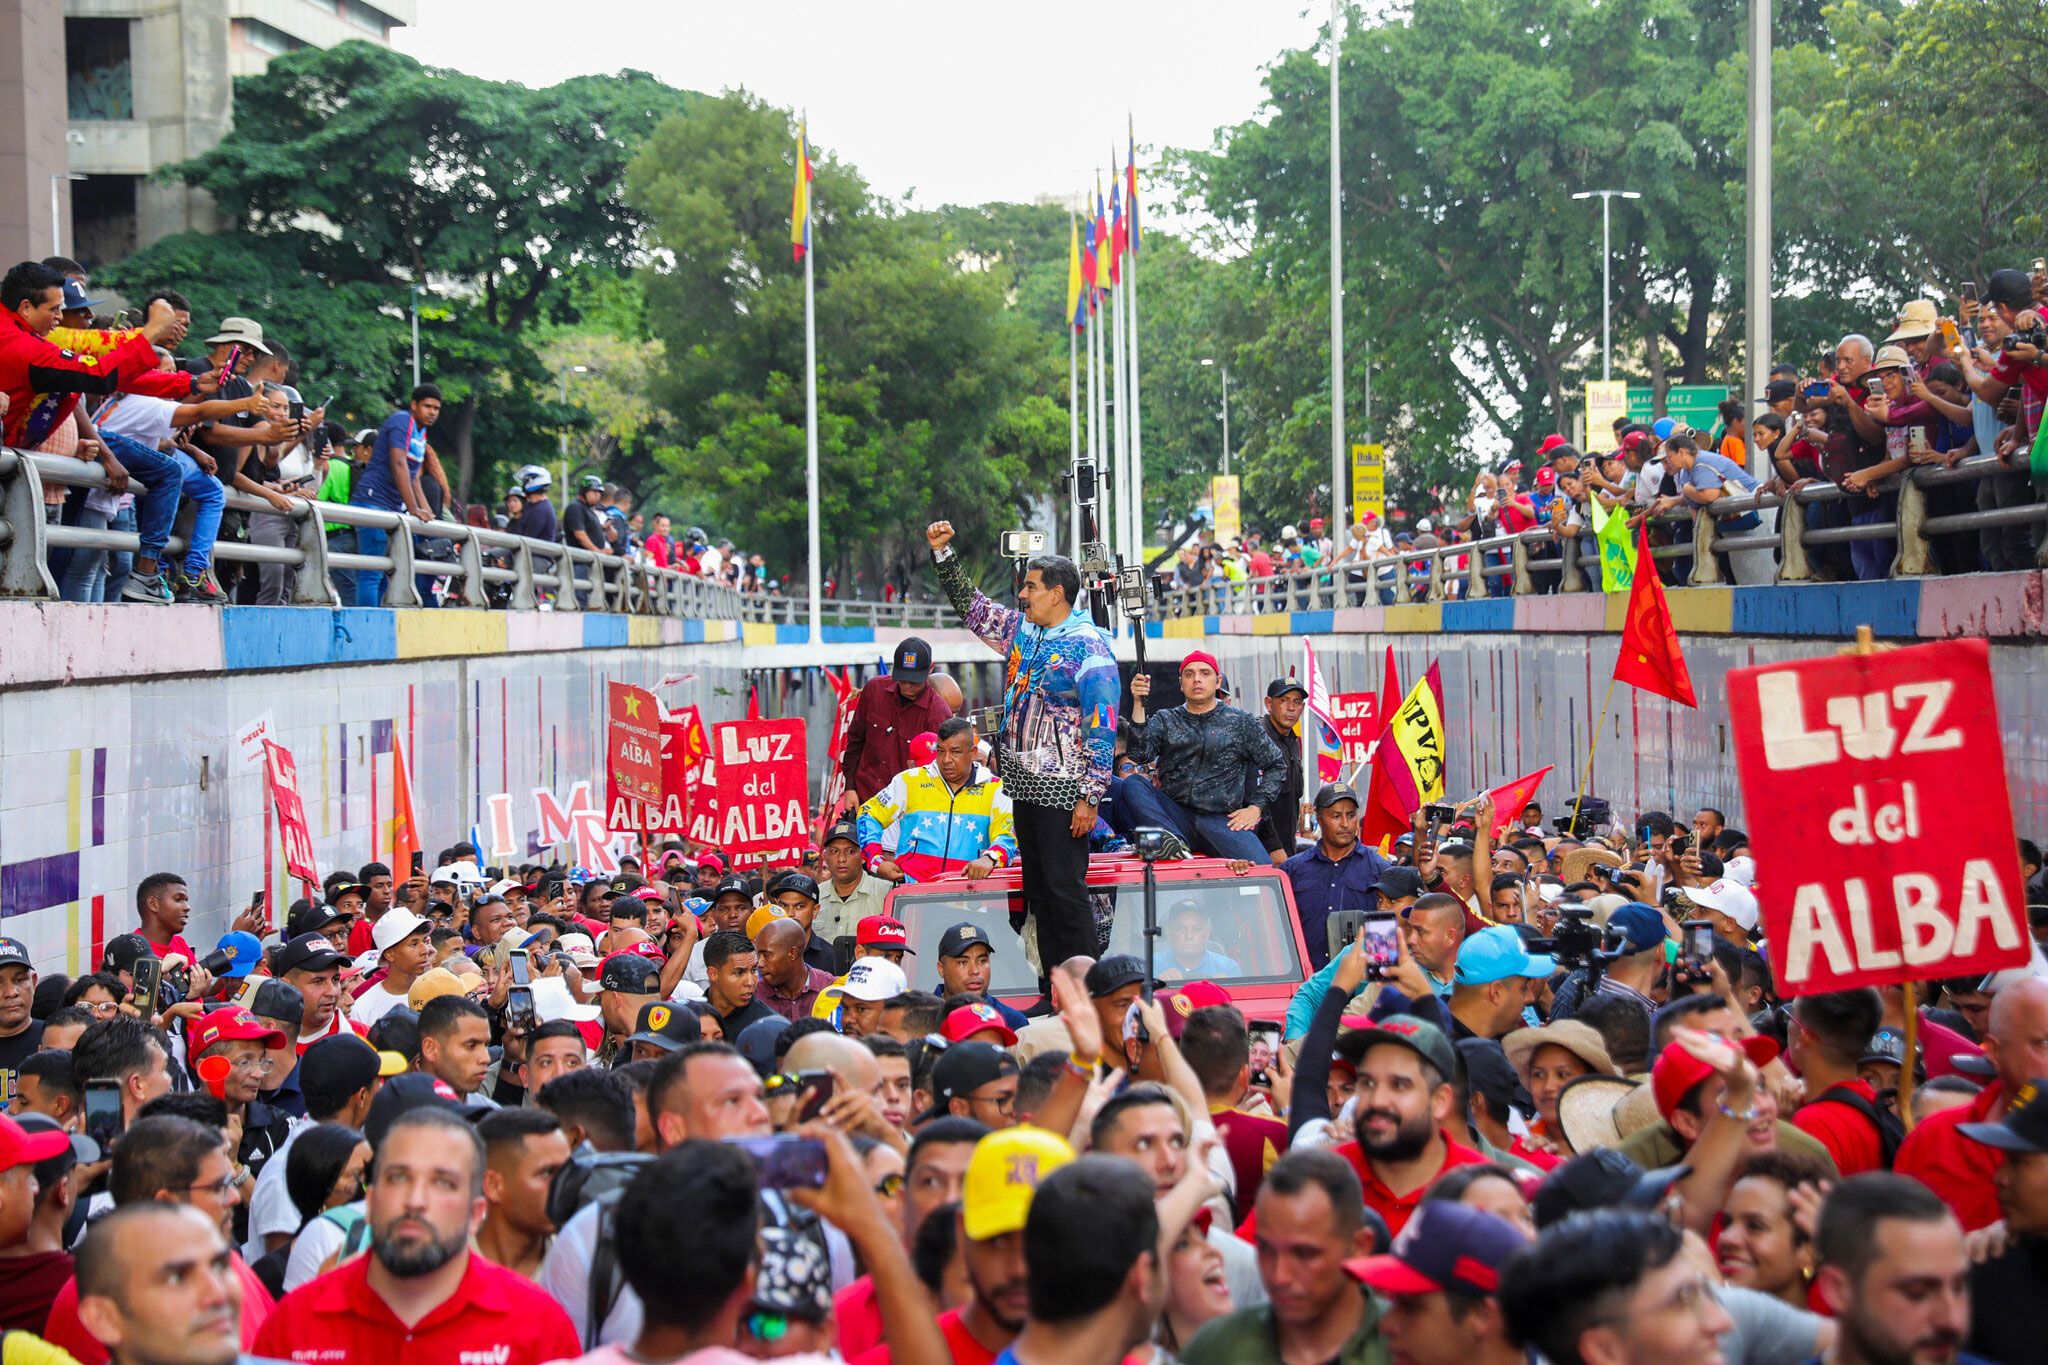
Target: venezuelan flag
(1075, 317)
(1091, 265)
(1131, 181)
(1116, 233)
(800, 202)
(1103, 264)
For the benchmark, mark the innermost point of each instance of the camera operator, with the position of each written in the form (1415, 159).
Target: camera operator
(1058, 738)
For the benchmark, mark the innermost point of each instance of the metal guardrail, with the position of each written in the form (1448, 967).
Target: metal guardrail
(795, 611)
(524, 571)
(1537, 561)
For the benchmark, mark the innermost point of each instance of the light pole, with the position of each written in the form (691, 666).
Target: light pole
(1224, 366)
(566, 372)
(1606, 198)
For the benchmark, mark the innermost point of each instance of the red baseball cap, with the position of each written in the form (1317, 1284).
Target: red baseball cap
(1550, 443)
(233, 1026)
(712, 861)
(1182, 1001)
(1545, 477)
(1200, 656)
(880, 931)
(1678, 1071)
(968, 1020)
(20, 1147)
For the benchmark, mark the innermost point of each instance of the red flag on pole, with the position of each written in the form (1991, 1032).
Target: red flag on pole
(1510, 799)
(753, 701)
(1390, 688)
(1650, 658)
(405, 824)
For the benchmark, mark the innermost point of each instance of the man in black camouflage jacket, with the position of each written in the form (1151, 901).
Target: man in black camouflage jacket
(1207, 753)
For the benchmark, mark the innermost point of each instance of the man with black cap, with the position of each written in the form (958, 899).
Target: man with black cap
(891, 711)
(1280, 819)
(732, 900)
(965, 960)
(332, 919)
(281, 1005)
(313, 965)
(1441, 1283)
(1337, 873)
(974, 1081)
(627, 983)
(850, 893)
(662, 1028)
(2020, 1274)
(796, 895)
(1114, 983)
(339, 1078)
(20, 1034)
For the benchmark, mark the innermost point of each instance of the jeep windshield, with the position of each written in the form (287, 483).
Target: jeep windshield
(1230, 930)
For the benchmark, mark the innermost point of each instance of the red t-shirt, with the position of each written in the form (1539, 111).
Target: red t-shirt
(1962, 1172)
(1549, 1161)
(966, 1350)
(176, 945)
(28, 1286)
(1393, 1208)
(359, 940)
(1940, 1046)
(65, 1330)
(495, 1314)
(340, 1023)
(1253, 1143)
(859, 1316)
(1852, 1140)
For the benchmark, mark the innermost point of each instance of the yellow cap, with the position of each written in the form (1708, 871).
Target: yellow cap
(1003, 1175)
(391, 1064)
(434, 984)
(770, 911)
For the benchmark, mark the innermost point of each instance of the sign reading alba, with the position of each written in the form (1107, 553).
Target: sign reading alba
(1876, 863)
(633, 741)
(763, 780)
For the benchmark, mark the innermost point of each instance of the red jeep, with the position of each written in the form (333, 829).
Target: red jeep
(1239, 932)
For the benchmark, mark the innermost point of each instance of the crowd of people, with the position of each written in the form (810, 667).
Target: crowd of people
(82, 385)
(1925, 391)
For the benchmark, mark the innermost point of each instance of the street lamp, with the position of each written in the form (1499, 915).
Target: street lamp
(1606, 198)
(566, 372)
(1226, 412)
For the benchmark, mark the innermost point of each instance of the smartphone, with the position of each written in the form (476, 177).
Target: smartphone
(1439, 814)
(256, 901)
(2040, 264)
(234, 358)
(103, 1111)
(1817, 389)
(522, 971)
(1950, 337)
(814, 1089)
(149, 978)
(1699, 941)
(1265, 1042)
(1679, 843)
(519, 1016)
(1968, 291)
(1382, 943)
(786, 1161)
(297, 409)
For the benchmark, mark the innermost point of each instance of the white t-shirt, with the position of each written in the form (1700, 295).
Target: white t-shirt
(138, 417)
(373, 1004)
(709, 562)
(321, 1238)
(270, 1205)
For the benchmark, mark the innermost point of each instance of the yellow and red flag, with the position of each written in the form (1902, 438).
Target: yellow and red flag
(1408, 765)
(800, 202)
(1650, 657)
(1076, 276)
(1131, 182)
(405, 824)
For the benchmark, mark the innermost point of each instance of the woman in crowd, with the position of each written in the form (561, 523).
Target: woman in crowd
(324, 1169)
(1761, 1245)
(1548, 1059)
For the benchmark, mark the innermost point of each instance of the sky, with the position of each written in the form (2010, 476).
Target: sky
(963, 102)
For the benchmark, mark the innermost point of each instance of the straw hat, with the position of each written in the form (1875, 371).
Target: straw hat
(1590, 1111)
(1917, 319)
(1578, 863)
(1581, 1040)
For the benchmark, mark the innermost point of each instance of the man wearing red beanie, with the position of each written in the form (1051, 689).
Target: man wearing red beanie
(1218, 768)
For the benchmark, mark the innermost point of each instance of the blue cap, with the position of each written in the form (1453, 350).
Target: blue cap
(1665, 426)
(74, 297)
(1446, 1245)
(1495, 954)
(247, 948)
(1640, 925)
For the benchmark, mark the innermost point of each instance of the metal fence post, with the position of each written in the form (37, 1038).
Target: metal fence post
(1706, 570)
(1915, 558)
(400, 589)
(1524, 585)
(313, 587)
(470, 554)
(23, 554)
(1792, 563)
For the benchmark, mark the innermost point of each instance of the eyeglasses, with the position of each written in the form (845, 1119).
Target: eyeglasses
(101, 1009)
(259, 1064)
(1003, 1103)
(889, 1186)
(219, 1189)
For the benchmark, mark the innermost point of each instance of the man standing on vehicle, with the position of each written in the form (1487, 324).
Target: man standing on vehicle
(1280, 823)
(1058, 738)
(891, 711)
(1206, 753)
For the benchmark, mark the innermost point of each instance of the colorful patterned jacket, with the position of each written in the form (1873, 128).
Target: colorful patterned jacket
(938, 830)
(1058, 740)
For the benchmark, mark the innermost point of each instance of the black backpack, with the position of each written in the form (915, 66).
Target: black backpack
(1891, 1129)
(593, 1177)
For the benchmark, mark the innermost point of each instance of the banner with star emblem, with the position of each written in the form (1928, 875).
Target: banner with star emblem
(633, 741)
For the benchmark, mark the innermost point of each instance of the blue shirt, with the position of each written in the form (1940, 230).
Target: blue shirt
(1212, 965)
(1713, 470)
(1321, 888)
(377, 487)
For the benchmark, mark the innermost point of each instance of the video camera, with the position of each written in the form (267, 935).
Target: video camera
(1578, 944)
(1585, 820)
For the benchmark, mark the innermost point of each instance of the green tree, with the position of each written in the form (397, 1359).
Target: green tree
(374, 173)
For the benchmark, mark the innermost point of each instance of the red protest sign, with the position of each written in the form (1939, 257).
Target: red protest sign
(763, 777)
(633, 741)
(1879, 817)
(291, 812)
(668, 816)
(1357, 715)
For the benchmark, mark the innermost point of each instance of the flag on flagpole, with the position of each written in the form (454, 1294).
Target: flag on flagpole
(1117, 240)
(405, 824)
(800, 201)
(1131, 181)
(753, 701)
(1091, 264)
(1076, 279)
(1390, 688)
(1510, 799)
(1617, 548)
(1322, 748)
(1650, 657)
(1102, 259)
(1408, 765)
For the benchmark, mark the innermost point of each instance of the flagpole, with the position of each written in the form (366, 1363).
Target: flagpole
(1073, 442)
(1339, 514)
(811, 411)
(1592, 747)
(1092, 526)
(1137, 442)
(1120, 423)
(1105, 492)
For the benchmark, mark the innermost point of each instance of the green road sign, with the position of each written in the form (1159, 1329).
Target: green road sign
(1696, 405)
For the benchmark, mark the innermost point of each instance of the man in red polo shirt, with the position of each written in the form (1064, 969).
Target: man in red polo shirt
(1400, 1108)
(1829, 1035)
(422, 1295)
(1962, 1172)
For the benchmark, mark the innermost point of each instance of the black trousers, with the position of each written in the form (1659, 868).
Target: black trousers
(1055, 868)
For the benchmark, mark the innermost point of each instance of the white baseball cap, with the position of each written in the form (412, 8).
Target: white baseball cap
(871, 979)
(1731, 898)
(1741, 871)
(396, 926)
